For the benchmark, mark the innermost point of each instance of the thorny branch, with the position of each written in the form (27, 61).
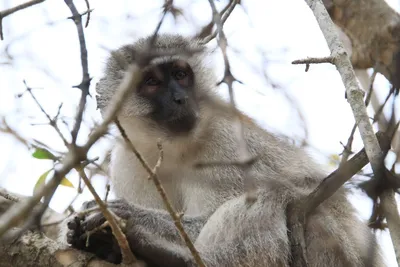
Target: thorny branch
(77, 154)
(85, 83)
(244, 155)
(52, 121)
(35, 218)
(9, 11)
(225, 13)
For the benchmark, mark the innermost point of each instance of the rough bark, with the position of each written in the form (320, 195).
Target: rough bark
(34, 249)
(31, 249)
(373, 28)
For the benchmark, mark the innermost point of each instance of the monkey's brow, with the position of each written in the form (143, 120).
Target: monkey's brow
(180, 63)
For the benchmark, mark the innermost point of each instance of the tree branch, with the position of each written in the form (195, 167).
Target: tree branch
(127, 256)
(9, 11)
(355, 99)
(154, 177)
(85, 83)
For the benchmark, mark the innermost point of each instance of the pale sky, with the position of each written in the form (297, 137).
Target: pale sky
(45, 51)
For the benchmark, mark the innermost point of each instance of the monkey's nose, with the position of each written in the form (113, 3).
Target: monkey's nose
(180, 100)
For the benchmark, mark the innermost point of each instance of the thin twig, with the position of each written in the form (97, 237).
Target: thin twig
(77, 154)
(9, 11)
(311, 60)
(298, 210)
(88, 10)
(108, 187)
(337, 178)
(224, 16)
(154, 176)
(127, 256)
(380, 110)
(5, 128)
(228, 78)
(52, 122)
(94, 230)
(85, 83)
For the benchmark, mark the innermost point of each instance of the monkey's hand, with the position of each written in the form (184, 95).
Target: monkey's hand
(88, 232)
(151, 234)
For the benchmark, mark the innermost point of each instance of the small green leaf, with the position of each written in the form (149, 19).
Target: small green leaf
(41, 181)
(66, 182)
(42, 153)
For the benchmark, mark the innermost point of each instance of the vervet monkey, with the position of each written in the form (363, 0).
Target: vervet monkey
(177, 103)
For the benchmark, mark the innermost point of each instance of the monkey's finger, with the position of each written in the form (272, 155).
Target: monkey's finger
(76, 241)
(93, 221)
(74, 223)
(71, 237)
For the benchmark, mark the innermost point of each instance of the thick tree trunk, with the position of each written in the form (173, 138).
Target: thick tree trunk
(31, 249)
(34, 249)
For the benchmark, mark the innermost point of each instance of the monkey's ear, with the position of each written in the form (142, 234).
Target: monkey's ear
(120, 60)
(124, 56)
(97, 102)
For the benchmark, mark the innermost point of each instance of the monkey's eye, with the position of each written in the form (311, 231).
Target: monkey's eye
(180, 74)
(151, 81)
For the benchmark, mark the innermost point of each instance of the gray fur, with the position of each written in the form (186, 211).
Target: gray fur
(234, 233)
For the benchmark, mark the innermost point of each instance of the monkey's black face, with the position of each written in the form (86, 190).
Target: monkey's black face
(169, 87)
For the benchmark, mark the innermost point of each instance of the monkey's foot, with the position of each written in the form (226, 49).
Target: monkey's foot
(87, 232)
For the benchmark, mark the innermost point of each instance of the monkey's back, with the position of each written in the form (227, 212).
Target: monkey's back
(258, 232)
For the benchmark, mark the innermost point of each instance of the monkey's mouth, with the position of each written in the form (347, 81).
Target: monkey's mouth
(176, 120)
(181, 123)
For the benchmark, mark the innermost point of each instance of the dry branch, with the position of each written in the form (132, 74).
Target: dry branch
(9, 11)
(229, 79)
(85, 83)
(52, 122)
(310, 60)
(154, 177)
(225, 13)
(78, 154)
(355, 99)
(347, 148)
(127, 256)
(298, 210)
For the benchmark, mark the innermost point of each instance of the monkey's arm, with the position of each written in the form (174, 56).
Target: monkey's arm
(152, 234)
